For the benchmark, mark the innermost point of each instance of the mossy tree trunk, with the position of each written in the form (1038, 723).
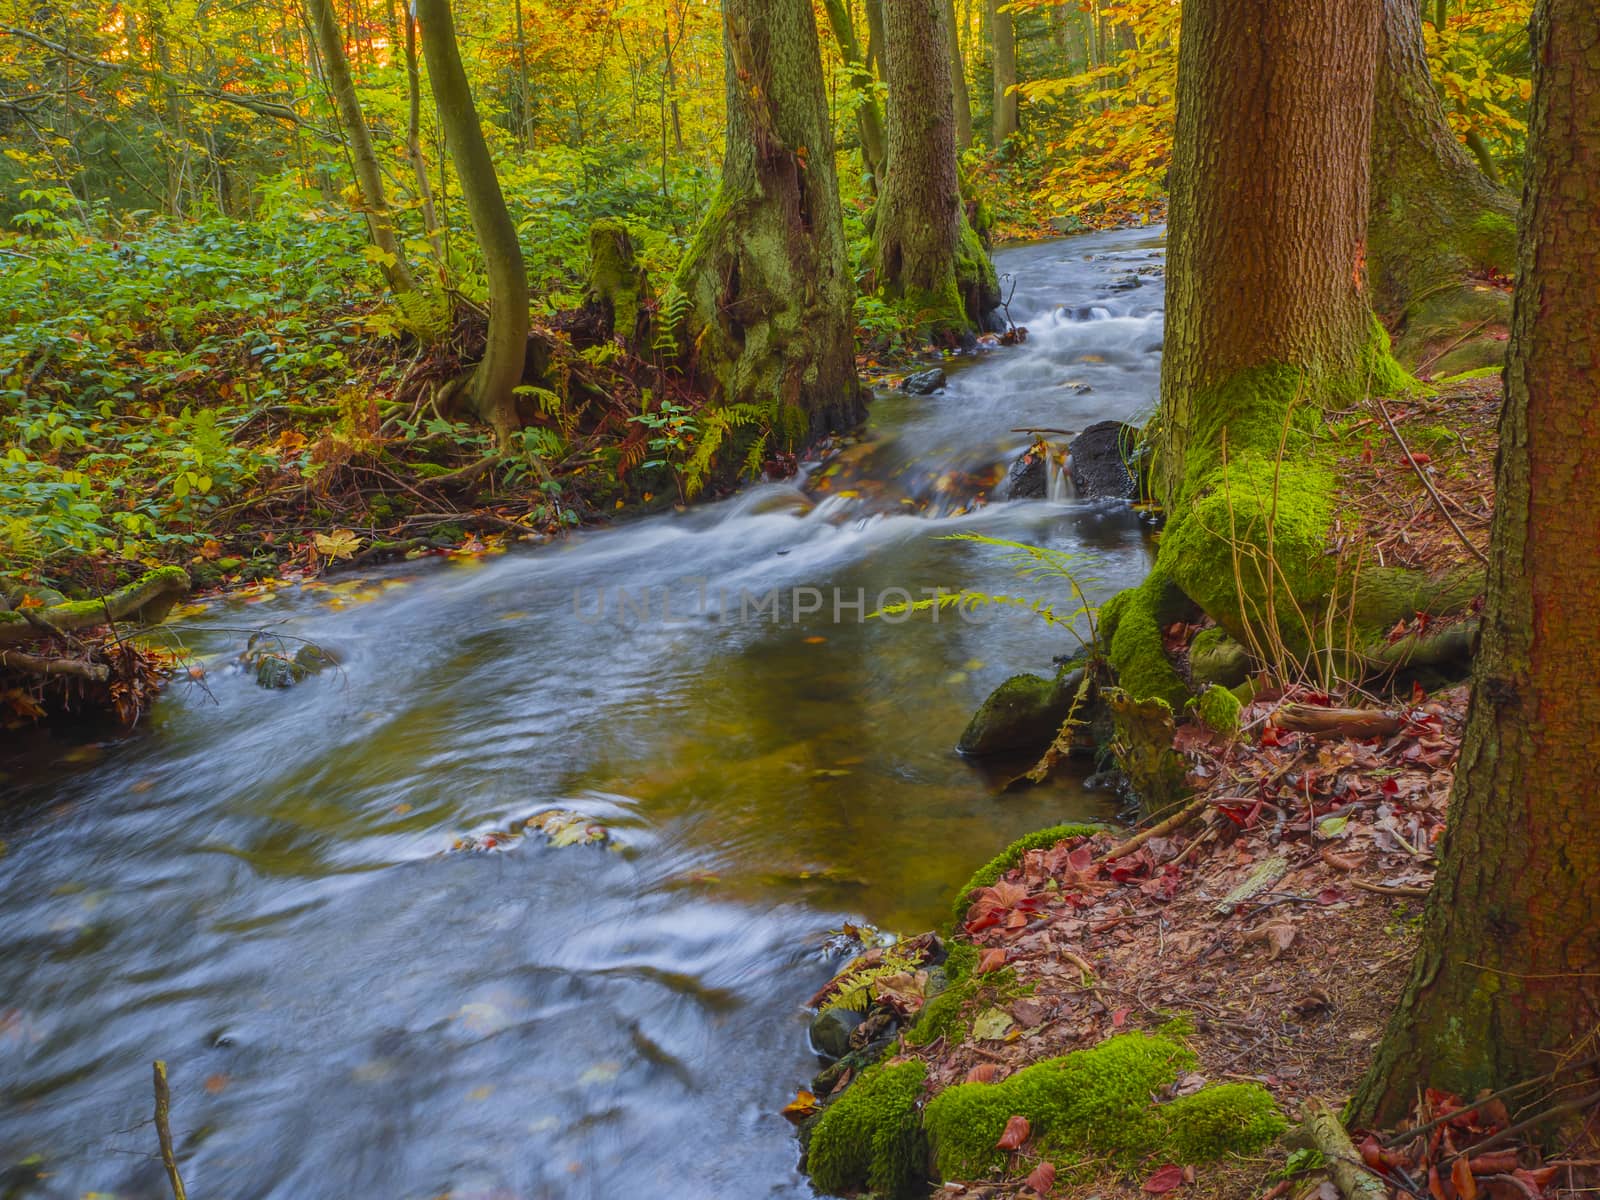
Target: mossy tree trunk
(1434, 216)
(1508, 974)
(869, 114)
(923, 248)
(1003, 36)
(767, 277)
(494, 382)
(369, 179)
(1267, 319)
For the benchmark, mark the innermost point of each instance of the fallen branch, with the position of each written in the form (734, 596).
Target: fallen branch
(69, 667)
(1350, 1174)
(148, 599)
(1388, 889)
(1337, 722)
(1428, 483)
(1176, 820)
(164, 1131)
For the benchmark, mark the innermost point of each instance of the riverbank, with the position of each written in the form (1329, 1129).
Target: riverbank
(1264, 924)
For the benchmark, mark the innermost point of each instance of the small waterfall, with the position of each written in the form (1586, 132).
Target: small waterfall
(1058, 487)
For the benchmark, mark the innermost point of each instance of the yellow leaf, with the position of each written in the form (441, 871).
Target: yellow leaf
(341, 543)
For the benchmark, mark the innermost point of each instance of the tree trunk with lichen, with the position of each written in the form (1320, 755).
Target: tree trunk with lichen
(767, 278)
(924, 250)
(869, 114)
(960, 93)
(1507, 978)
(1267, 321)
(1003, 36)
(369, 179)
(1434, 216)
(493, 385)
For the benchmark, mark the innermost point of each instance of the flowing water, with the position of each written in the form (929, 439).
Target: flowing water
(260, 887)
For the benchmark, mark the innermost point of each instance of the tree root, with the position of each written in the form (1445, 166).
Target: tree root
(1350, 1174)
(146, 600)
(33, 664)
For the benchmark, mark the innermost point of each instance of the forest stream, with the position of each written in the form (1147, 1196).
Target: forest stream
(260, 886)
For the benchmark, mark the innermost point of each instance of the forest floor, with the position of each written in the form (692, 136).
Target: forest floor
(1278, 910)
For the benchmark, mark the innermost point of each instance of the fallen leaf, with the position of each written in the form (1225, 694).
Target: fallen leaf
(1461, 1178)
(1016, 1132)
(983, 1073)
(341, 543)
(802, 1106)
(1042, 1178)
(1164, 1180)
(991, 1025)
(1277, 936)
(993, 959)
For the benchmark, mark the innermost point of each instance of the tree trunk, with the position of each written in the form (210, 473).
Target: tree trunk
(369, 179)
(1003, 33)
(923, 248)
(1434, 216)
(492, 394)
(1508, 974)
(1266, 318)
(958, 79)
(875, 35)
(419, 161)
(767, 277)
(869, 117)
(1269, 209)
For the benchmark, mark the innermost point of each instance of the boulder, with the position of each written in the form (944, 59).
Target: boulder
(1100, 458)
(1125, 283)
(1029, 476)
(831, 1030)
(1214, 657)
(1023, 713)
(923, 383)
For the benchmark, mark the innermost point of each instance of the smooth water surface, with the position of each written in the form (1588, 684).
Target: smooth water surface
(261, 887)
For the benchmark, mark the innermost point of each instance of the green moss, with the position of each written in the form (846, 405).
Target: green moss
(1476, 373)
(1156, 772)
(945, 1015)
(871, 1138)
(1214, 657)
(1097, 1099)
(997, 866)
(1226, 1118)
(1492, 242)
(615, 277)
(1131, 624)
(1100, 1101)
(1219, 709)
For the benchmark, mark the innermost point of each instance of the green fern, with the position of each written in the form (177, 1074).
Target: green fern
(715, 426)
(669, 315)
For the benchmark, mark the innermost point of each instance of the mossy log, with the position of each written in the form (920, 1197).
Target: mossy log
(617, 285)
(146, 601)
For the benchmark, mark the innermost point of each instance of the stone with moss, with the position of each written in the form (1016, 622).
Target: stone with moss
(1219, 709)
(870, 1138)
(617, 284)
(1214, 657)
(1023, 713)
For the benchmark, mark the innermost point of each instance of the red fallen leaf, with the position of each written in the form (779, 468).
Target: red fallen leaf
(1016, 1133)
(993, 959)
(1366, 451)
(1420, 458)
(1120, 1018)
(1436, 1185)
(1329, 895)
(1164, 1180)
(1537, 1177)
(1042, 1178)
(1371, 1152)
(1461, 1178)
(1496, 1162)
(1016, 919)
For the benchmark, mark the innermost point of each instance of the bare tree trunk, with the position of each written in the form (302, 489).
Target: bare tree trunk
(369, 179)
(1003, 34)
(958, 80)
(869, 117)
(419, 161)
(1507, 979)
(923, 248)
(494, 383)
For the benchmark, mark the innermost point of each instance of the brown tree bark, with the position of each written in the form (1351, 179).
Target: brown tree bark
(869, 115)
(767, 277)
(369, 178)
(1003, 38)
(1268, 218)
(924, 250)
(1434, 216)
(958, 79)
(1507, 978)
(493, 388)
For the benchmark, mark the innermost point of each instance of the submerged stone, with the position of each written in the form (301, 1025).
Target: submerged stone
(924, 383)
(1023, 713)
(831, 1030)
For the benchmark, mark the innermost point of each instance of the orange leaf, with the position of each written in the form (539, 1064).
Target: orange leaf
(1164, 1180)
(993, 959)
(1016, 1133)
(1461, 1176)
(983, 1073)
(801, 1107)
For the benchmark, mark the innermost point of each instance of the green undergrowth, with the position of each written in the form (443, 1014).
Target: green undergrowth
(1010, 857)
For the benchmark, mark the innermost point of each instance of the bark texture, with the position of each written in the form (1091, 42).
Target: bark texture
(1507, 978)
(494, 383)
(369, 179)
(869, 115)
(924, 249)
(1003, 36)
(958, 79)
(1435, 217)
(767, 278)
(1269, 209)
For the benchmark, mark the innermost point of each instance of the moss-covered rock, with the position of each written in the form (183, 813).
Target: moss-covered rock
(1023, 713)
(1214, 657)
(1226, 1118)
(1143, 748)
(617, 284)
(870, 1138)
(1218, 708)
